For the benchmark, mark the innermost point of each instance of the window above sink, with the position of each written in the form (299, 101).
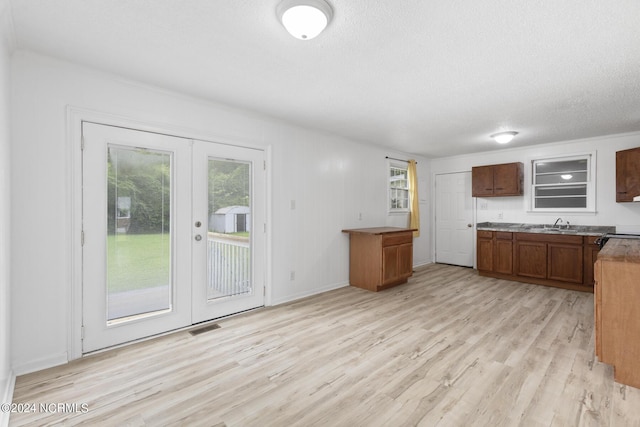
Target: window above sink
(563, 184)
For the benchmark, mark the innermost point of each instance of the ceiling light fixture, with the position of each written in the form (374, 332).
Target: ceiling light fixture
(503, 137)
(304, 19)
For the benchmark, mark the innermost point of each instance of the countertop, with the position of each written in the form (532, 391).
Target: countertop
(378, 230)
(578, 230)
(622, 250)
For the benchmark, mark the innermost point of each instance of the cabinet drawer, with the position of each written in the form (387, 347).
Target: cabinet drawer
(550, 238)
(482, 234)
(397, 239)
(504, 235)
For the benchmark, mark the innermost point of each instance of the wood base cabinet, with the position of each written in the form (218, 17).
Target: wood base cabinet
(380, 257)
(559, 260)
(617, 318)
(495, 252)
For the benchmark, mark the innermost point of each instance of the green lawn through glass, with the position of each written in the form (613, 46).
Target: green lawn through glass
(138, 261)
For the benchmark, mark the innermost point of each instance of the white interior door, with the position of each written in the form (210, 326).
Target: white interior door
(137, 240)
(454, 219)
(229, 230)
(173, 233)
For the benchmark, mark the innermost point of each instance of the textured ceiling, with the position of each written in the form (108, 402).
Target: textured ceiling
(426, 77)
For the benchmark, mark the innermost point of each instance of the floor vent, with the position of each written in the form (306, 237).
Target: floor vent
(204, 329)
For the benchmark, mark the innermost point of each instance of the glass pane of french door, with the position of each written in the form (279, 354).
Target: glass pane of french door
(136, 197)
(229, 252)
(228, 239)
(138, 232)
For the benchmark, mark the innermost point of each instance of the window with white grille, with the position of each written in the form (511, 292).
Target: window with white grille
(563, 184)
(398, 188)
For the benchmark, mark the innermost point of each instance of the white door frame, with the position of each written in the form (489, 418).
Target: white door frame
(75, 117)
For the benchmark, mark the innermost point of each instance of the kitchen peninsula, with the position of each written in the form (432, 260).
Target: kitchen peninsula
(617, 319)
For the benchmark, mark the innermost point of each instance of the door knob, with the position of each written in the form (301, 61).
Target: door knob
(198, 224)
(198, 237)
(469, 225)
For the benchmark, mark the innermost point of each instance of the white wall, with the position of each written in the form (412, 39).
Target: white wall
(6, 380)
(625, 216)
(331, 179)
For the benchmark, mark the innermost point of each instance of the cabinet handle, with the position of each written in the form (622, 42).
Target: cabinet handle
(622, 192)
(488, 189)
(499, 188)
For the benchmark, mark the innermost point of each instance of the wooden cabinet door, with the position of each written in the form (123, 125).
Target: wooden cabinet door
(397, 263)
(627, 175)
(503, 255)
(405, 260)
(482, 181)
(531, 259)
(389, 264)
(484, 251)
(564, 262)
(507, 179)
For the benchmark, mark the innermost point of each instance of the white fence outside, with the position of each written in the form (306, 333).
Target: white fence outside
(229, 265)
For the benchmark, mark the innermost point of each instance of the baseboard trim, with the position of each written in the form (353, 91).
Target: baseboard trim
(294, 297)
(40, 364)
(7, 397)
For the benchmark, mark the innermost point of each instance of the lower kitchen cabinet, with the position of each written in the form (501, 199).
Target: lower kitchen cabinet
(565, 262)
(547, 259)
(484, 250)
(503, 253)
(380, 257)
(495, 251)
(531, 259)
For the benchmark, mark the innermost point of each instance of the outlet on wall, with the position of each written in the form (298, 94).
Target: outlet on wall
(292, 275)
(500, 215)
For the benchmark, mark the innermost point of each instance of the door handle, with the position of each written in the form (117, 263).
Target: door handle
(469, 225)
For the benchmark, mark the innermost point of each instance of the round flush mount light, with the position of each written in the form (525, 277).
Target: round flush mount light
(503, 137)
(304, 19)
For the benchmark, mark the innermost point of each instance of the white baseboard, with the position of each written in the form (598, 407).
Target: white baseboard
(289, 298)
(40, 364)
(7, 397)
(423, 264)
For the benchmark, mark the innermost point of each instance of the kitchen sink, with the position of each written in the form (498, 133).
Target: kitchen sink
(552, 230)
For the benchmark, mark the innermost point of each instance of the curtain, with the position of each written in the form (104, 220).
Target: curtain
(414, 208)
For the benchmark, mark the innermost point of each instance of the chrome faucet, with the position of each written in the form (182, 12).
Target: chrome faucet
(555, 224)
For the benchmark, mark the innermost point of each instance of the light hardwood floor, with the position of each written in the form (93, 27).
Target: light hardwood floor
(449, 348)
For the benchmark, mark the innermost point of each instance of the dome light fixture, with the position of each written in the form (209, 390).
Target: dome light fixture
(503, 137)
(304, 19)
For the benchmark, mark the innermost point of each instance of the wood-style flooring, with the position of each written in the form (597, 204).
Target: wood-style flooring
(449, 348)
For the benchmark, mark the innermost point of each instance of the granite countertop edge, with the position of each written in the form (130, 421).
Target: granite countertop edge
(574, 230)
(621, 250)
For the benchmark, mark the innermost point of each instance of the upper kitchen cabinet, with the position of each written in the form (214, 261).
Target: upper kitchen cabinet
(497, 180)
(627, 175)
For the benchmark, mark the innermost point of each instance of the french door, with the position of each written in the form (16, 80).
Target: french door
(228, 255)
(168, 233)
